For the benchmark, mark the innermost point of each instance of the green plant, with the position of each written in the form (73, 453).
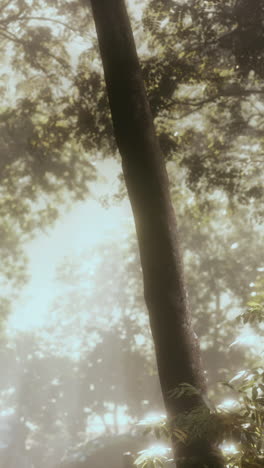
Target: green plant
(237, 425)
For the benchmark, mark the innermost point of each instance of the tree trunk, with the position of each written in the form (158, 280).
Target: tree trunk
(176, 345)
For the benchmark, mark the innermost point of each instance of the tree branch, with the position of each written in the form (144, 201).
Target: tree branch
(10, 36)
(42, 18)
(11, 18)
(222, 93)
(5, 5)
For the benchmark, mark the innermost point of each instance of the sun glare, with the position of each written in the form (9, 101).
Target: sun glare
(229, 449)
(157, 450)
(229, 404)
(152, 419)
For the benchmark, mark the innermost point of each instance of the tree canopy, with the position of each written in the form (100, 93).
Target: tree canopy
(202, 64)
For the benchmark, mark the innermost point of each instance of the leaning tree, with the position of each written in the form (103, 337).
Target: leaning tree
(176, 345)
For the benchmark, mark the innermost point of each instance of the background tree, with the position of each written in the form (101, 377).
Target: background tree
(206, 98)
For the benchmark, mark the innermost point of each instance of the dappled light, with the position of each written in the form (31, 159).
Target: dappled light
(157, 454)
(105, 304)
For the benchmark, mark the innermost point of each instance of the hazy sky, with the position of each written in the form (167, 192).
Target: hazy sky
(86, 226)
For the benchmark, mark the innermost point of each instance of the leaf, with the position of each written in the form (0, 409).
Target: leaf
(141, 459)
(181, 435)
(160, 463)
(238, 376)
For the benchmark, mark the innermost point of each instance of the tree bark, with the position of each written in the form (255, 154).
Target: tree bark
(176, 345)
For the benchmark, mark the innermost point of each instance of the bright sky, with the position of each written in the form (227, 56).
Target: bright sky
(87, 225)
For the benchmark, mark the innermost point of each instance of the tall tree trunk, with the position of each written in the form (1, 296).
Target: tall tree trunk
(176, 345)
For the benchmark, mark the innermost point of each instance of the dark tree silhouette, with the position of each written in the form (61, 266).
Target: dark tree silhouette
(176, 345)
(247, 40)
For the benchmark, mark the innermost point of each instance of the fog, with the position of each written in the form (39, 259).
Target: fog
(79, 385)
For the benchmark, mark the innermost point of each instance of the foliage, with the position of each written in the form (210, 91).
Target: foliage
(254, 313)
(196, 61)
(101, 307)
(205, 115)
(202, 64)
(153, 457)
(239, 429)
(40, 161)
(245, 425)
(58, 118)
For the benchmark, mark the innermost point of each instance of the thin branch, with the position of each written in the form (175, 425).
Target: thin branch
(222, 93)
(5, 5)
(240, 92)
(12, 18)
(43, 49)
(42, 18)
(193, 103)
(10, 36)
(189, 112)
